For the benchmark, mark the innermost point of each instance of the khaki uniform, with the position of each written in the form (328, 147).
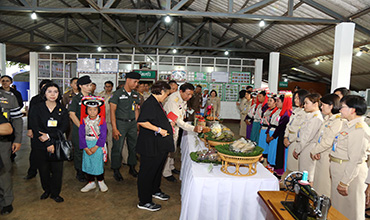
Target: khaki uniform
(109, 123)
(11, 110)
(195, 103)
(178, 106)
(66, 102)
(291, 130)
(307, 137)
(216, 103)
(350, 145)
(244, 107)
(327, 133)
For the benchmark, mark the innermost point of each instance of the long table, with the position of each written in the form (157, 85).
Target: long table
(215, 195)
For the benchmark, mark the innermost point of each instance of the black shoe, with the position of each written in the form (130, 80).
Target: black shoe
(117, 175)
(174, 171)
(150, 206)
(30, 176)
(6, 210)
(45, 195)
(132, 171)
(161, 196)
(57, 199)
(81, 176)
(171, 178)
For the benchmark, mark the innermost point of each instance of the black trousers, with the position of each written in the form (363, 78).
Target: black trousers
(150, 175)
(51, 173)
(91, 178)
(33, 166)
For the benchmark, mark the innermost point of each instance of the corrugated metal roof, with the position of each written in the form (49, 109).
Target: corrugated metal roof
(280, 34)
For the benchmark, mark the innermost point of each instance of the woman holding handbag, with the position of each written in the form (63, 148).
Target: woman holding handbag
(49, 118)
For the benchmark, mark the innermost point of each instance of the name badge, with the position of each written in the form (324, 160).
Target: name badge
(135, 96)
(52, 123)
(5, 114)
(123, 97)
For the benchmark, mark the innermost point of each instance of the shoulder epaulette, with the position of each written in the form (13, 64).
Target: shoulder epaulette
(359, 125)
(338, 116)
(315, 115)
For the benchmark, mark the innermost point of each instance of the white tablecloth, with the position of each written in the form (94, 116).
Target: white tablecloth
(216, 195)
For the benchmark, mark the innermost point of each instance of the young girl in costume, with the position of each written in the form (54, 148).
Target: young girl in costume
(92, 135)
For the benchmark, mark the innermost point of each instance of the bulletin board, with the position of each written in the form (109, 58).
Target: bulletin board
(100, 78)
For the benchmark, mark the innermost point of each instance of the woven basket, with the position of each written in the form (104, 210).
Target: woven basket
(237, 161)
(215, 143)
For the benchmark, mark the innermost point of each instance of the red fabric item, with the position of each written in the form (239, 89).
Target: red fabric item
(273, 111)
(287, 105)
(172, 116)
(83, 108)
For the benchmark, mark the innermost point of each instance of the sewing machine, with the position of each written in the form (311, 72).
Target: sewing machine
(307, 203)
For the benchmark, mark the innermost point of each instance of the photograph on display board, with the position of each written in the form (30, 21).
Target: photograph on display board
(218, 87)
(241, 77)
(179, 75)
(231, 93)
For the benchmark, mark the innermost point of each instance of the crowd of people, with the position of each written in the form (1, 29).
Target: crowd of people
(301, 131)
(325, 136)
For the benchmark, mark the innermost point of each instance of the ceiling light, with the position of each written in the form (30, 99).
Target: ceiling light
(359, 53)
(226, 53)
(34, 16)
(317, 62)
(99, 49)
(47, 47)
(262, 23)
(286, 80)
(174, 51)
(167, 19)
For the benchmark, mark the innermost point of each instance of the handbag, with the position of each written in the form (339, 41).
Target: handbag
(63, 149)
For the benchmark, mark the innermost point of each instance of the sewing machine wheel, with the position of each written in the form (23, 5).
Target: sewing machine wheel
(291, 179)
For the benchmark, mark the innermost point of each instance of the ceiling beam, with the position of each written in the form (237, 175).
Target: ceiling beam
(179, 5)
(88, 44)
(187, 13)
(260, 4)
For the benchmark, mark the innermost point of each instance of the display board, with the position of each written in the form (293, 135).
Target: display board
(200, 76)
(179, 75)
(108, 65)
(222, 77)
(218, 87)
(44, 68)
(231, 93)
(241, 77)
(100, 78)
(86, 65)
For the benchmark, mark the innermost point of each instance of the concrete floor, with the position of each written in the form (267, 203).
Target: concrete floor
(119, 202)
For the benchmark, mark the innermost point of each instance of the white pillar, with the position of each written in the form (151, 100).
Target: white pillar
(2, 59)
(274, 71)
(33, 74)
(258, 73)
(343, 50)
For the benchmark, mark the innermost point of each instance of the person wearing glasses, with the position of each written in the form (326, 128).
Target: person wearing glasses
(348, 167)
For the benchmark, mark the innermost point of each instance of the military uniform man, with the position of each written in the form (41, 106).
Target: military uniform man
(84, 85)
(195, 103)
(67, 100)
(11, 110)
(177, 104)
(107, 94)
(124, 112)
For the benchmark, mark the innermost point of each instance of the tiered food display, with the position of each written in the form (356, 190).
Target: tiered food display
(219, 135)
(240, 153)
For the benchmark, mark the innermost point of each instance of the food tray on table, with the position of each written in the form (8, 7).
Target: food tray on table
(213, 142)
(237, 159)
(194, 157)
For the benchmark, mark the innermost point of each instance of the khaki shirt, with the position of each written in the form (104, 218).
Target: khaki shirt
(351, 143)
(146, 95)
(178, 106)
(294, 124)
(258, 113)
(327, 133)
(67, 98)
(216, 103)
(308, 132)
(106, 97)
(244, 107)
